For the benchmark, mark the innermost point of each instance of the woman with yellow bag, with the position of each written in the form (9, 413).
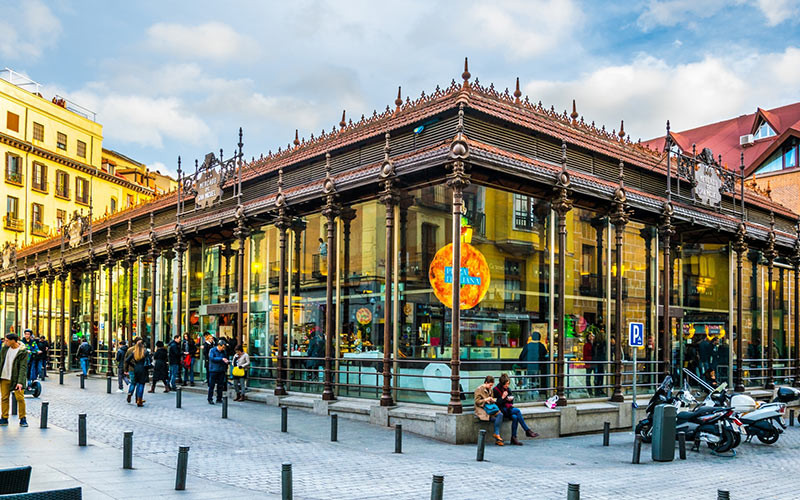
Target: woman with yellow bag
(241, 362)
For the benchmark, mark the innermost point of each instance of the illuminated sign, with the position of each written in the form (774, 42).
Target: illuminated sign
(474, 275)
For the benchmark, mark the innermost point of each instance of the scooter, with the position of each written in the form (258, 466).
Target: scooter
(33, 388)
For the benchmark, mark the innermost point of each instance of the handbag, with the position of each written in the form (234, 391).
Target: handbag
(490, 408)
(238, 371)
(187, 361)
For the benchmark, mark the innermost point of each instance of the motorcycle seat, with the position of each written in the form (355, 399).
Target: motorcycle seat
(686, 415)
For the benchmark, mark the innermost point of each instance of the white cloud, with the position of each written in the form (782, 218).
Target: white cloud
(671, 12)
(27, 30)
(209, 41)
(778, 11)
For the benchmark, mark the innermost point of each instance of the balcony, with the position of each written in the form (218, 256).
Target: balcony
(14, 176)
(39, 229)
(39, 186)
(12, 223)
(478, 222)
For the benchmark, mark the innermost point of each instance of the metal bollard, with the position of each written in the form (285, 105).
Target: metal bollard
(108, 385)
(13, 402)
(723, 495)
(178, 398)
(183, 463)
(398, 438)
(606, 432)
(81, 429)
(573, 491)
(334, 427)
(224, 406)
(791, 418)
(43, 415)
(127, 450)
(682, 445)
(481, 444)
(637, 449)
(437, 487)
(61, 376)
(284, 418)
(286, 481)
(83, 381)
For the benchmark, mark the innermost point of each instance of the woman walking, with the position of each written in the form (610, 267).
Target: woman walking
(160, 369)
(139, 360)
(241, 363)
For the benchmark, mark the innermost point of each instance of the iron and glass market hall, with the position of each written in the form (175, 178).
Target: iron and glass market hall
(331, 261)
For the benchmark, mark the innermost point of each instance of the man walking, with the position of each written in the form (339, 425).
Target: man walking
(189, 350)
(217, 367)
(84, 355)
(208, 346)
(174, 358)
(13, 373)
(44, 354)
(122, 375)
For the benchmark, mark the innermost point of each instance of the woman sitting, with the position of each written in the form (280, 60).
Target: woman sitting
(486, 408)
(505, 401)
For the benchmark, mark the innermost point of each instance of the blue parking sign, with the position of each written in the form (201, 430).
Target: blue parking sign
(636, 334)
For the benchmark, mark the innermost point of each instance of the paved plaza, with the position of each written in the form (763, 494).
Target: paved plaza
(241, 457)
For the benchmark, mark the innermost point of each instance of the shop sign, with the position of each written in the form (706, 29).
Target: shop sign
(474, 275)
(708, 184)
(364, 316)
(208, 188)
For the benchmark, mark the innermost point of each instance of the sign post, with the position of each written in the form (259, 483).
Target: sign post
(635, 340)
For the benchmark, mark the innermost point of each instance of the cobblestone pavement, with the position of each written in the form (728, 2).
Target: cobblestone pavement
(245, 452)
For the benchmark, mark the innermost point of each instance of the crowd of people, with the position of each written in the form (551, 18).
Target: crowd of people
(495, 403)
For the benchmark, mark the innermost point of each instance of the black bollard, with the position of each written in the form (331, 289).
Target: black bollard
(286, 481)
(723, 495)
(178, 397)
(183, 463)
(224, 406)
(606, 432)
(108, 385)
(682, 445)
(83, 381)
(284, 418)
(61, 376)
(81, 429)
(437, 487)
(334, 427)
(481, 444)
(43, 415)
(13, 402)
(637, 449)
(791, 418)
(573, 491)
(127, 450)
(398, 438)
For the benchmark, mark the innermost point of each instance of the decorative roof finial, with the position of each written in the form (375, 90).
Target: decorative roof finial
(399, 101)
(574, 114)
(280, 180)
(465, 75)
(621, 129)
(296, 138)
(387, 148)
(563, 155)
(621, 173)
(517, 93)
(343, 122)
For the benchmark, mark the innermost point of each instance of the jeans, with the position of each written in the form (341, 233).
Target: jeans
(5, 392)
(216, 379)
(174, 369)
(132, 386)
(239, 384)
(589, 370)
(516, 420)
(85, 365)
(122, 377)
(188, 375)
(33, 370)
(139, 390)
(42, 368)
(498, 421)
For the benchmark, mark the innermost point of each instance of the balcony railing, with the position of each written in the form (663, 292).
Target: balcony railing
(12, 223)
(40, 186)
(14, 175)
(39, 229)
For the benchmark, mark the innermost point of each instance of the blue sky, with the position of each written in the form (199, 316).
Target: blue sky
(170, 78)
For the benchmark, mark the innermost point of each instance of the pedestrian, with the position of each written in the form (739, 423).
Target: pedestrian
(122, 374)
(189, 351)
(315, 352)
(208, 344)
(174, 361)
(241, 365)
(13, 373)
(44, 349)
(588, 351)
(217, 367)
(160, 368)
(84, 355)
(139, 359)
(486, 408)
(32, 348)
(505, 401)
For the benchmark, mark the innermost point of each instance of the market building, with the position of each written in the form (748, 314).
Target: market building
(564, 230)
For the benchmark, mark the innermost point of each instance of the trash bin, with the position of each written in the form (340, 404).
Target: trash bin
(664, 419)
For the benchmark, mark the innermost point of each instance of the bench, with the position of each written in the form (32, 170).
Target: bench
(15, 480)
(66, 494)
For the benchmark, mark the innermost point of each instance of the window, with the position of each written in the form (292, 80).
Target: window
(61, 141)
(11, 219)
(38, 131)
(12, 121)
(81, 150)
(39, 177)
(37, 226)
(130, 201)
(763, 131)
(514, 274)
(62, 184)
(81, 190)
(37, 210)
(13, 169)
(61, 218)
(113, 204)
(524, 212)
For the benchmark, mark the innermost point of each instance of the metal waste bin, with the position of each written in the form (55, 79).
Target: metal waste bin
(664, 419)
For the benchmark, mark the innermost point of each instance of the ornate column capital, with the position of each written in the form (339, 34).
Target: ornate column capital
(740, 241)
(560, 201)
(770, 252)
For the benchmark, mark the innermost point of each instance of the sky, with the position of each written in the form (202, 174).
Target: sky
(180, 77)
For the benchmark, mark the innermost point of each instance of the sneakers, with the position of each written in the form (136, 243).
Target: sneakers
(23, 422)
(120, 391)
(3, 421)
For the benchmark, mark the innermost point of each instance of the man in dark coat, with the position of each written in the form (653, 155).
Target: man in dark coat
(174, 360)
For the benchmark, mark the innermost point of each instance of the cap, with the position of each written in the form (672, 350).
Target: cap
(221, 342)
(12, 336)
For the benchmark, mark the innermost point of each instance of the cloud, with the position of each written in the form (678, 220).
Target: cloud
(778, 11)
(671, 12)
(209, 41)
(27, 28)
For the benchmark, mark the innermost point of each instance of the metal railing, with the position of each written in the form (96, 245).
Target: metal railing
(39, 229)
(13, 223)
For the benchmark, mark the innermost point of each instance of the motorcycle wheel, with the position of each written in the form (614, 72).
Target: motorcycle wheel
(768, 438)
(725, 443)
(737, 439)
(645, 430)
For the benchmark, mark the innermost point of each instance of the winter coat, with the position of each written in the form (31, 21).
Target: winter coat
(160, 369)
(482, 396)
(19, 370)
(216, 365)
(175, 353)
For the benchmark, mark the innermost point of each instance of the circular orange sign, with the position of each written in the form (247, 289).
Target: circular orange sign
(474, 275)
(364, 316)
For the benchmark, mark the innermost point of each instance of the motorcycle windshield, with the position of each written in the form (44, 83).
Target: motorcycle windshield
(666, 385)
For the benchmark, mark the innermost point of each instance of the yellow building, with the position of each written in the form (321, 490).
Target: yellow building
(122, 166)
(54, 164)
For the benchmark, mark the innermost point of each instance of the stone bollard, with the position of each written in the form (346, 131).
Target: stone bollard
(82, 429)
(284, 419)
(398, 438)
(791, 418)
(606, 432)
(723, 495)
(637, 449)
(43, 415)
(334, 428)
(224, 406)
(83, 381)
(573, 491)
(108, 385)
(183, 463)
(178, 397)
(61, 376)
(286, 481)
(682, 445)
(481, 444)
(127, 450)
(437, 487)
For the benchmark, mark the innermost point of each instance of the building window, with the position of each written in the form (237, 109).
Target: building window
(763, 131)
(13, 169)
(12, 121)
(81, 190)
(130, 200)
(113, 204)
(81, 150)
(11, 219)
(37, 216)
(39, 177)
(514, 274)
(524, 212)
(38, 131)
(61, 218)
(62, 184)
(61, 141)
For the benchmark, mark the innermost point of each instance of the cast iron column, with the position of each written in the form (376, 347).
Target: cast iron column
(37, 282)
(50, 306)
(347, 215)
(740, 247)
(154, 253)
(330, 212)
(282, 225)
(227, 253)
(561, 204)
(131, 261)
(179, 248)
(389, 199)
(92, 293)
(63, 351)
(667, 230)
(796, 262)
(109, 317)
(619, 217)
(240, 233)
(771, 254)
